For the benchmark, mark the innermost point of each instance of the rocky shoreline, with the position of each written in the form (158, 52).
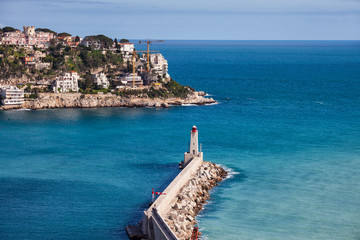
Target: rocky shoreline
(192, 197)
(78, 100)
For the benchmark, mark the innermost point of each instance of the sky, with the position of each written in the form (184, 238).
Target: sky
(190, 19)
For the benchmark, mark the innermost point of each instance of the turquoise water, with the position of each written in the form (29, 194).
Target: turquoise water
(287, 124)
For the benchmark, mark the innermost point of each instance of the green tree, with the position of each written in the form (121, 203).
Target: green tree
(9, 29)
(67, 49)
(124, 40)
(116, 43)
(44, 30)
(88, 83)
(64, 34)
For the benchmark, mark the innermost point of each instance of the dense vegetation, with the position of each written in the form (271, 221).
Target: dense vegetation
(64, 34)
(44, 30)
(9, 29)
(10, 63)
(80, 59)
(169, 90)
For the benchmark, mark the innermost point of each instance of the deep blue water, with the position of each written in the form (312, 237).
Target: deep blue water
(287, 123)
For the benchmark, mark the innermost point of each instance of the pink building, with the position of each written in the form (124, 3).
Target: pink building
(28, 38)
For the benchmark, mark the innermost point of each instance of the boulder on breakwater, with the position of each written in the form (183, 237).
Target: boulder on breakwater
(191, 198)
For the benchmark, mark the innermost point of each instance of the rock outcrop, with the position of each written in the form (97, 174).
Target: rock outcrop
(190, 200)
(78, 100)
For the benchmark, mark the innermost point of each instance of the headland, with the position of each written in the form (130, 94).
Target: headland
(40, 68)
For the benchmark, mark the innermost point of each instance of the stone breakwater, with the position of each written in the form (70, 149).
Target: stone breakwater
(78, 100)
(192, 197)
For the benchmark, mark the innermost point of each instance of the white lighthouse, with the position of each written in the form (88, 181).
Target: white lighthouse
(194, 147)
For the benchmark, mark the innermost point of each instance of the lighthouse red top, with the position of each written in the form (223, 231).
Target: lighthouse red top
(193, 129)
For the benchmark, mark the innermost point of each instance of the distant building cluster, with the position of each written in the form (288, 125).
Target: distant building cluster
(70, 41)
(36, 57)
(28, 38)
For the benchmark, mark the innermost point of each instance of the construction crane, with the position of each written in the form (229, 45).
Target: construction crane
(134, 62)
(148, 42)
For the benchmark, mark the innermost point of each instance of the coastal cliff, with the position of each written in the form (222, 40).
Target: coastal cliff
(78, 100)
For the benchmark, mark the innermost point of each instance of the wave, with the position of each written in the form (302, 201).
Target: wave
(231, 172)
(215, 103)
(189, 105)
(318, 102)
(208, 95)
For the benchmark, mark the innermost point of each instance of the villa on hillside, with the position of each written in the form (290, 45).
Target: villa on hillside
(68, 82)
(100, 80)
(92, 42)
(127, 50)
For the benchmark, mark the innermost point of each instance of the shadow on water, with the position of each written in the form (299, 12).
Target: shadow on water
(170, 170)
(236, 176)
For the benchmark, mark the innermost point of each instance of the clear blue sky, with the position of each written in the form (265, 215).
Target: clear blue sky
(190, 19)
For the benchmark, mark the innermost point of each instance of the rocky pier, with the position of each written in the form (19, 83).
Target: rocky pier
(192, 197)
(172, 215)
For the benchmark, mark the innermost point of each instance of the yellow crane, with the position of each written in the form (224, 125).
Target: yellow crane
(148, 42)
(134, 63)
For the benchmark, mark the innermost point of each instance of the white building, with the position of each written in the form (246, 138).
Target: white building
(128, 78)
(101, 80)
(42, 65)
(92, 42)
(127, 50)
(159, 64)
(126, 47)
(68, 82)
(11, 95)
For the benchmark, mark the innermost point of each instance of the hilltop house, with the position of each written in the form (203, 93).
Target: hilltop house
(127, 50)
(92, 42)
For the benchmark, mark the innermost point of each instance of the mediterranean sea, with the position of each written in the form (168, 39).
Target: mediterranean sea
(287, 125)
